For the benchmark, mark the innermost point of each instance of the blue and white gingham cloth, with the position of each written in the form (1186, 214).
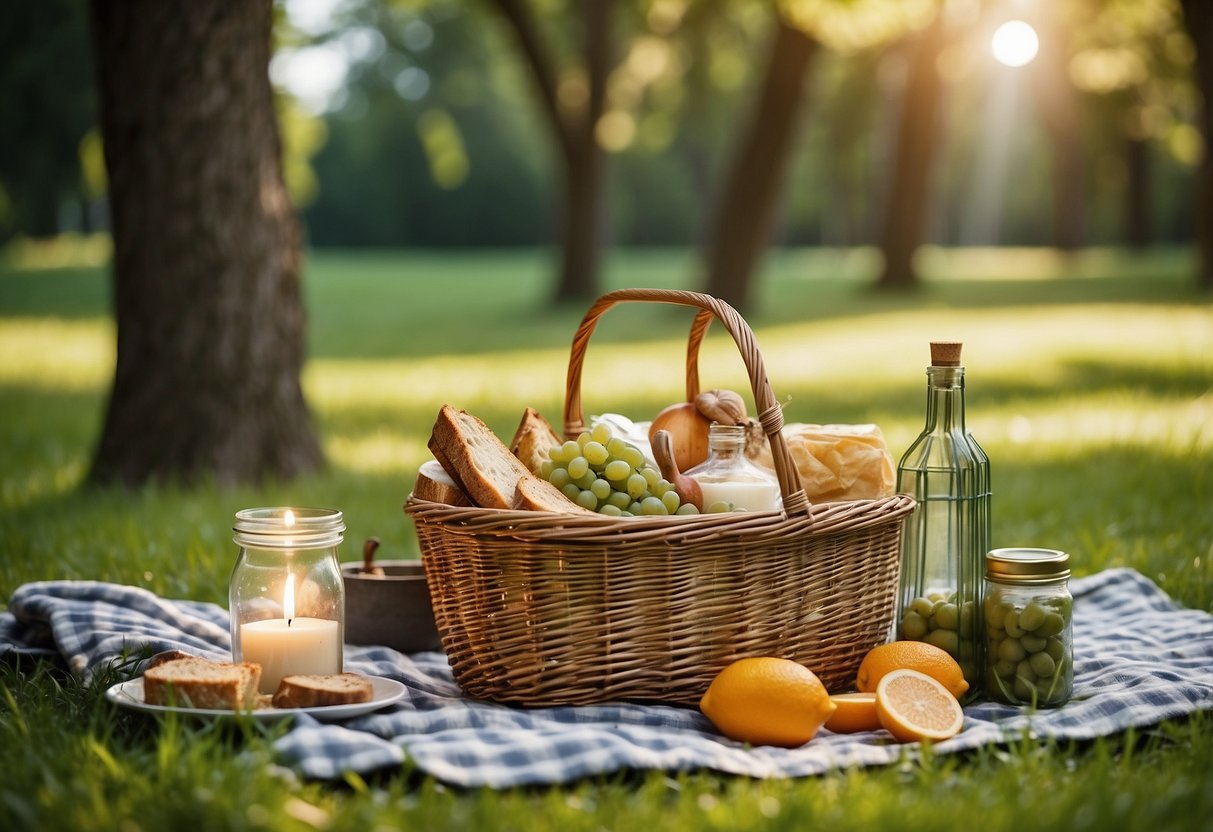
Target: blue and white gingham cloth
(1139, 658)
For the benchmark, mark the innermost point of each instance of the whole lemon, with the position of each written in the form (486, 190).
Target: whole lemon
(767, 701)
(910, 655)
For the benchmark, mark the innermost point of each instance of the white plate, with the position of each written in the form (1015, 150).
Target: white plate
(386, 691)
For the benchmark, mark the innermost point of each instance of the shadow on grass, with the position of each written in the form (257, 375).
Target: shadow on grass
(378, 304)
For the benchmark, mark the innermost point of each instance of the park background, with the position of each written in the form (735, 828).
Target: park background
(858, 176)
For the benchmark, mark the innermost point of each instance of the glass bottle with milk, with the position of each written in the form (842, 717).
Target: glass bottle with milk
(727, 478)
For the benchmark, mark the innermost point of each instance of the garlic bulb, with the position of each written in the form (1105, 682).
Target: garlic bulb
(723, 406)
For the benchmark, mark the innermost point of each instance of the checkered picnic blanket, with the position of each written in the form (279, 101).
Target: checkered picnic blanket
(1139, 658)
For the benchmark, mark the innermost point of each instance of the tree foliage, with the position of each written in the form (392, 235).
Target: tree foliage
(46, 110)
(438, 138)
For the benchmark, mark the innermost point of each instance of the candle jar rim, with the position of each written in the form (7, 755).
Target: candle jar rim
(310, 527)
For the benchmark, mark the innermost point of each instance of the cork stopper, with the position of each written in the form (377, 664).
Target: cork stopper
(945, 353)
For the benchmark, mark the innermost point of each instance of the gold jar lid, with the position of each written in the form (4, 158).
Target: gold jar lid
(1027, 565)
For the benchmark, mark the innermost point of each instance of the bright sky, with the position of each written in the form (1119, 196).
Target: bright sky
(314, 74)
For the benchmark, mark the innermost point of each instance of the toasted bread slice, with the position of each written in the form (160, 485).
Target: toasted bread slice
(312, 691)
(475, 458)
(199, 683)
(436, 485)
(535, 494)
(165, 656)
(533, 439)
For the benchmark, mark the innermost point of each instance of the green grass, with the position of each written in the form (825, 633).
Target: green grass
(1090, 384)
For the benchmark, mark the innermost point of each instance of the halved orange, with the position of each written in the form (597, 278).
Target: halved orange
(855, 712)
(913, 706)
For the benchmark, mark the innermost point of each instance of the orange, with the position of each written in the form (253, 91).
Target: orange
(912, 706)
(911, 655)
(856, 712)
(767, 701)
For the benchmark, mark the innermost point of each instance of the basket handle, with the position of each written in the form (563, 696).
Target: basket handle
(770, 414)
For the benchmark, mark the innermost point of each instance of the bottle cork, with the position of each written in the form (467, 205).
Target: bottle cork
(945, 353)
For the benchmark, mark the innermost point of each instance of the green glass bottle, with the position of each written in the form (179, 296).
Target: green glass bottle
(948, 534)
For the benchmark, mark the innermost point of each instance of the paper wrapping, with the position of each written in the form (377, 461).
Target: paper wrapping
(837, 462)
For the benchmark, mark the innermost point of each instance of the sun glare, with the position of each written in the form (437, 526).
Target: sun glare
(1014, 43)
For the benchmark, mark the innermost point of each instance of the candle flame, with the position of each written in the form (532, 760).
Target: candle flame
(289, 519)
(288, 599)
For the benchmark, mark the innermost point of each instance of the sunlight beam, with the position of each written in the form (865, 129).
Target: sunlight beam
(1015, 44)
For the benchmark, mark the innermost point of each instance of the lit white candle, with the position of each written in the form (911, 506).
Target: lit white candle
(289, 645)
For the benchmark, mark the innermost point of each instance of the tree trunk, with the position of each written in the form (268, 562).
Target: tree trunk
(1059, 108)
(575, 132)
(1198, 17)
(909, 200)
(585, 169)
(745, 210)
(206, 263)
(1137, 193)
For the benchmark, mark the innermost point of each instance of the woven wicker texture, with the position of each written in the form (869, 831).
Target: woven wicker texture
(539, 608)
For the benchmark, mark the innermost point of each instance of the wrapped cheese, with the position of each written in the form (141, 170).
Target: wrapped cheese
(837, 462)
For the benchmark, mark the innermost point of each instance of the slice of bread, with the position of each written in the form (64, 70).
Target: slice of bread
(165, 656)
(473, 455)
(535, 494)
(475, 458)
(199, 683)
(313, 691)
(533, 439)
(435, 484)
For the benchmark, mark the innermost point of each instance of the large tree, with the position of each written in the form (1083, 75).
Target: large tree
(1060, 108)
(206, 248)
(573, 120)
(746, 206)
(907, 211)
(1198, 17)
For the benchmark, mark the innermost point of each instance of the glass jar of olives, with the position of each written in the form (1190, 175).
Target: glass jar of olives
(1029, 627)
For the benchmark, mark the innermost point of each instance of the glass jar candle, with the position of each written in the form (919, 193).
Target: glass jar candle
(286, 597)
(1029, 627)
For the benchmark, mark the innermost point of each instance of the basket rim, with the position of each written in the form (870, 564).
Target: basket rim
(823, 518)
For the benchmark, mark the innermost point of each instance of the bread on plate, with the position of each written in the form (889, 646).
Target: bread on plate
(192, 682)
(313, 691)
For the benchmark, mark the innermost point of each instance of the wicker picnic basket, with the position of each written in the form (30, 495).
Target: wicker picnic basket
(539, 608)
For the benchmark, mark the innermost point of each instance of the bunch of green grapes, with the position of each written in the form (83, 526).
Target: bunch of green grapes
(611, 476)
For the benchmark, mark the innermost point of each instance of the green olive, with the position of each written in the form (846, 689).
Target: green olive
(1033, 644)
(947, 616)
(1011, 624)
(1004, 668)
(1051, 625)
(913, 626)
(922, 606)
(1056, 649)
(944, 639)
(1042, 665)
(1033, 616)
(1011, 650)
(1024, 671)
(1062, 605)
(996, 611)
(1024, 690)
